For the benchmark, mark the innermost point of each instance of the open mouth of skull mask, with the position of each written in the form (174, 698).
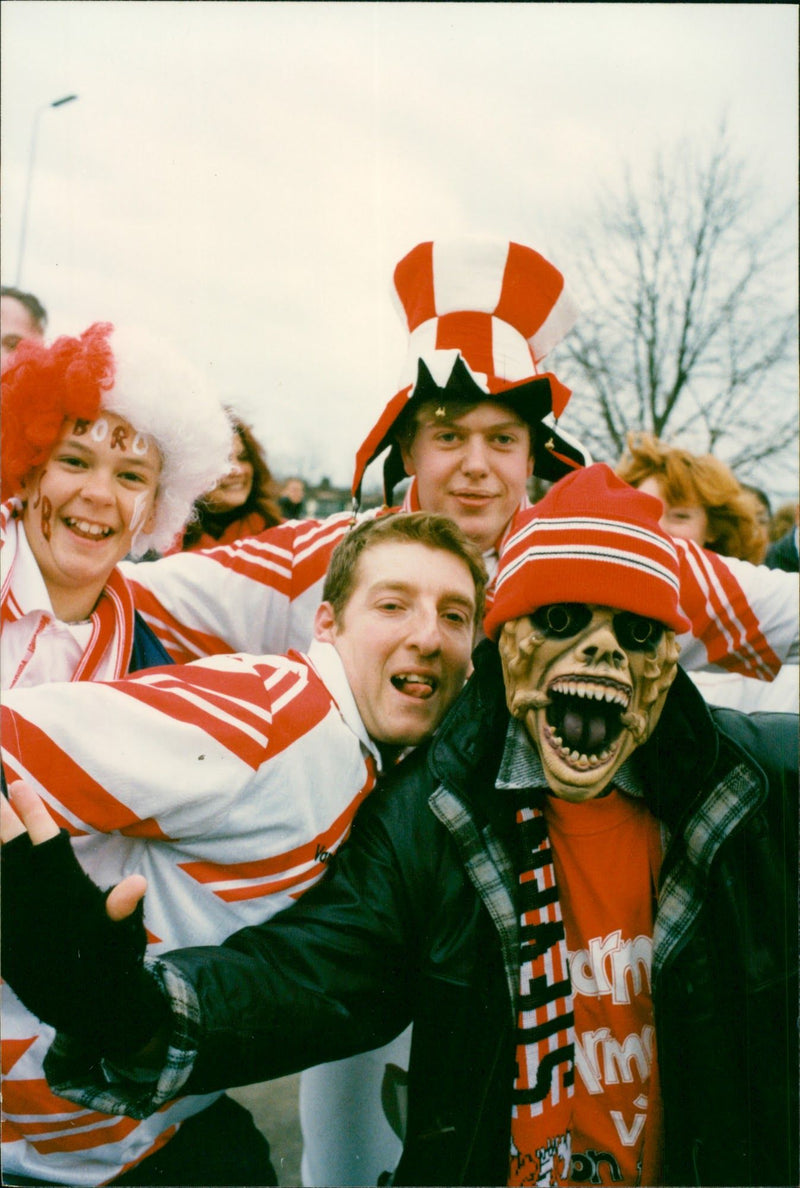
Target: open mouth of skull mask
(589, 682)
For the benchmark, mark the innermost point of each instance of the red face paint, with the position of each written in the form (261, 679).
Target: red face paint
(47, 514)
(38, 496)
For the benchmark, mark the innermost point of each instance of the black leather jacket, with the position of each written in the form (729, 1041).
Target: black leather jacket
(416, 921)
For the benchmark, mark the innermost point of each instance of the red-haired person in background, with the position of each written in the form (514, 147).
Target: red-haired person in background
(703, 499)
(244, 501)
(107, 441)
(704, 502)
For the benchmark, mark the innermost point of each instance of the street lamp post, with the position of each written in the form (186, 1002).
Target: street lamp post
(31, 158)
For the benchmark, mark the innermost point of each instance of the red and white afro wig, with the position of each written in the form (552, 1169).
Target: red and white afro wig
(135, 376)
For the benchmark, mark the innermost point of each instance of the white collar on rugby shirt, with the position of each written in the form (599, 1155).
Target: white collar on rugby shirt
(327, 662)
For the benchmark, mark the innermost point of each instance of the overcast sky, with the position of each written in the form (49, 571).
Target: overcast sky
(244, 176)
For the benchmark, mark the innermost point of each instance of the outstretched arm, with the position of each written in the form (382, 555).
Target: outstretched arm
(71, 952)
(256, 595)
(335, 974)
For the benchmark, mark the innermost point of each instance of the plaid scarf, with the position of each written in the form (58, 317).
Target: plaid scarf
(544, 1084)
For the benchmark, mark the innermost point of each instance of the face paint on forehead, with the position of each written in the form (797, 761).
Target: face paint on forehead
(587, 699)
(99, 430)
(119, 437)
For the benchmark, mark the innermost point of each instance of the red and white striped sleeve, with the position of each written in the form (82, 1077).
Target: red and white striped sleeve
(162, 755)
(744, 617)
(258, 595)
(196, 777)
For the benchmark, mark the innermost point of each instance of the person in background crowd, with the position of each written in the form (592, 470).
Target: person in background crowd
(107, 440)
(292, 499)
(783, 551)
(243, 503)
(290, 747)
(764, 512)
(21, 316)
(583, 890)
(468, 427)
(784, 518)
(703, 500)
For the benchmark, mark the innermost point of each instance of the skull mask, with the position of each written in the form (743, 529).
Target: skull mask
(589, 682)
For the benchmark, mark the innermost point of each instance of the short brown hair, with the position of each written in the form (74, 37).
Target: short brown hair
(36, 311)
(425, 528)
(410, 420)
(699, 480)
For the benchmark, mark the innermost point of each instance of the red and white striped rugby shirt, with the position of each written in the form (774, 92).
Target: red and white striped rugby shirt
(214, 781)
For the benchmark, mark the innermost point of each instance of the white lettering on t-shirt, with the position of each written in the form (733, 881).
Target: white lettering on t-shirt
(606, 966)
(601, 1059)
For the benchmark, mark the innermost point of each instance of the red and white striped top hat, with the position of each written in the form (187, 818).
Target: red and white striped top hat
(481, 315)
(594, 539)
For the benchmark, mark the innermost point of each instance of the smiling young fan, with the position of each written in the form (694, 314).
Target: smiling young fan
(107, 440)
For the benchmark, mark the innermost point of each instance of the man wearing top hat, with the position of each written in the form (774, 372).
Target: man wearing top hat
(582, 890)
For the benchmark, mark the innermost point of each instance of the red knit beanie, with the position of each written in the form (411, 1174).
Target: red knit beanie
(592, 539)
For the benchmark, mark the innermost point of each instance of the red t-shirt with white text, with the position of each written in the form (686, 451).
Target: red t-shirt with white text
(607, 855)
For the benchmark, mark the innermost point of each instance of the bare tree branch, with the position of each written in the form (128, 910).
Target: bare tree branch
(689, 330)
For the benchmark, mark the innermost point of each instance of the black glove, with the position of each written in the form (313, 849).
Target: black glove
(70, 964)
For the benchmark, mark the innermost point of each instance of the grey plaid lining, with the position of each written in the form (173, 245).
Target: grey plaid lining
(134, 1092)
(682, 891)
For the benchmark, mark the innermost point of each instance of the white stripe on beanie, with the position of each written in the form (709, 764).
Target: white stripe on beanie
(603, 553)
